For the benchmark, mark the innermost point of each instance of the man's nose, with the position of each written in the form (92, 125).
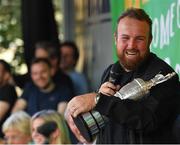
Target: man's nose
(132, 44)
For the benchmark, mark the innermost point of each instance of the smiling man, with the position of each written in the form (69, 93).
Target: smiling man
(147, 120)
(132, 41)
(42, 92)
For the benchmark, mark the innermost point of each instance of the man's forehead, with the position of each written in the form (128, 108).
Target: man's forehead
(40, 65)
(133, 26)
(129, 20)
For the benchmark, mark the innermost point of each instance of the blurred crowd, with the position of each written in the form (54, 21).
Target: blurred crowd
(37, 115)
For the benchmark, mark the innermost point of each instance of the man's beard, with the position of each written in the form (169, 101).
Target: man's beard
(132, 64)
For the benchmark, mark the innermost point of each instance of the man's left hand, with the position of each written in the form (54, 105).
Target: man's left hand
(81, 104)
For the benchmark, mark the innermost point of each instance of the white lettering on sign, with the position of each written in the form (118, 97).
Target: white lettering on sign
(178, 14)
(155, 32)
(162, 28)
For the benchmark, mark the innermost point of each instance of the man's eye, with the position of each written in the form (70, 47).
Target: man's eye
(124, 38)
(140, 39)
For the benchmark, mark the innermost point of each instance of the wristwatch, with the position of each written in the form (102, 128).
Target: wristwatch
(97, 98)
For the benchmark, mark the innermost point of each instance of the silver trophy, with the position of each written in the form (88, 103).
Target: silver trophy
(138, 88)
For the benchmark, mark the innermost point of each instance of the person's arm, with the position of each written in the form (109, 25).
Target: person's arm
(19, 105)
(7, 98)
(73, 127)
(80, 104)
(86, 102)
(77, 105)
(4, 109)
(62, 107)
(147, 113)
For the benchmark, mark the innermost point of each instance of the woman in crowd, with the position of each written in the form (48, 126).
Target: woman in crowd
(17, 128)
(49, 127)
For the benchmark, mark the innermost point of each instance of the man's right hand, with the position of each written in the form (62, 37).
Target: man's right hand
(108, 89)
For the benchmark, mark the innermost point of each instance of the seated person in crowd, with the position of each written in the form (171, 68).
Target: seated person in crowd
(17, 128)
(45, 49)
(7, 93)
(69, 58)
(44, 132)
(42, 92)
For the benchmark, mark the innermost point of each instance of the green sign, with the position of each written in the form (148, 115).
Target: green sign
(166, 26)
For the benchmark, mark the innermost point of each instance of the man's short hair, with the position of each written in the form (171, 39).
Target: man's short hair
(49, 47)
(41, 60)
(6, 66)
(138, 14)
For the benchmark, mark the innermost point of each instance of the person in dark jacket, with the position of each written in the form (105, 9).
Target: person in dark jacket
(8, 93)
(146, 120)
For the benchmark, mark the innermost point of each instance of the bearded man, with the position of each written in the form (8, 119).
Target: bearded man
(147, 120)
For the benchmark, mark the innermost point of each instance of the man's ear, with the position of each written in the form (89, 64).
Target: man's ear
(150, 40)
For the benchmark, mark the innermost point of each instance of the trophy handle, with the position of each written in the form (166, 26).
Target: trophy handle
(159, 78)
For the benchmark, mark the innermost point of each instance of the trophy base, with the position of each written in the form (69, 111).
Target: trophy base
(83, 128)
(89, 124)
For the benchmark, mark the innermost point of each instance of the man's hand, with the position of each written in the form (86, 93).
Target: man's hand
(108, 89)
(81, 104)
(73, 128)
(77, 105)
